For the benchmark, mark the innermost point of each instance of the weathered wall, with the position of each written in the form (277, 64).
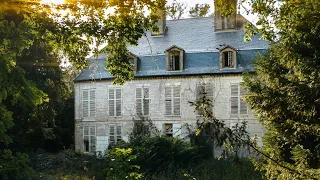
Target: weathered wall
(221, 103)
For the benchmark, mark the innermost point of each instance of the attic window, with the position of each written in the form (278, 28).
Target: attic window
(174, 59)
(228, 58)
(133, 59)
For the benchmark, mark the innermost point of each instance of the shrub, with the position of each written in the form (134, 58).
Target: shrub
(14, 166)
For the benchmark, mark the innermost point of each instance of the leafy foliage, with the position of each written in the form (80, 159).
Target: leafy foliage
(284, 92)
(14, 166)
(121, 165)
(176, 9)
(199, 10)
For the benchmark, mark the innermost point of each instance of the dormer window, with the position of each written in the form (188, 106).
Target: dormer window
(228, 57)
(133, 60)
(174, 58)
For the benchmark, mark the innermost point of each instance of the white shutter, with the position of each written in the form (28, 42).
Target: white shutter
(146, 101)
(139, 101)
(118, 133)
(234, 100)
(111, 102)
(92, 103)
(112, 134)
(230, 58)
(118, 102)
(168, 101)
(85, 103)
(243, 104)
(176, 100)
(92, 139)
(176, 132)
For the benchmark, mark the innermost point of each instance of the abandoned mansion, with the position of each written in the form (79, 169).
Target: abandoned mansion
(177, 65)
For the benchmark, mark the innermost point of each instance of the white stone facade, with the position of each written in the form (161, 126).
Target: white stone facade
(102, 122)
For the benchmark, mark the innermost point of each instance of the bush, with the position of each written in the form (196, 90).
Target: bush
(14, 166)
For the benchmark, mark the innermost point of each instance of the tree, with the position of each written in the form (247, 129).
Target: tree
(285, 90)
(199, 10)
(176, 9)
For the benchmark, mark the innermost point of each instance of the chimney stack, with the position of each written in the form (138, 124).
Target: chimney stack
(161, 13)
(225, 22)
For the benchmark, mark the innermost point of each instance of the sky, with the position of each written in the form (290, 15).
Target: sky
(191, 3)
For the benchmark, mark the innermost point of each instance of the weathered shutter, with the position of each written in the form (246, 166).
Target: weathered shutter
(86, 139)
(118, 132)
(111, 102)
(92, 103)
(168, 100)
(181, 60)
(200, 90)
(209, 95)
(243, 104)
(176, 132)
(85, 103)
(92, 139)
(230, 58)
(176, 100)
(172, 62)
(234, 100)
(112, 134)
(139, 101)
(146, 101)
(118, 102)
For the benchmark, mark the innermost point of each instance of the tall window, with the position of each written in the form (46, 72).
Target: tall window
(172, 101)
(115, 134)
(204, 92)
(142, 101)
(115, 102)
(88, 103)
(89, 139)
(227, 57)
(238, 105)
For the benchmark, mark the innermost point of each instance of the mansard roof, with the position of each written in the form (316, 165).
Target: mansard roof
(196, 36)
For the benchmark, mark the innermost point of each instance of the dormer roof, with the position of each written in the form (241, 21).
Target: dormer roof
(173, 47)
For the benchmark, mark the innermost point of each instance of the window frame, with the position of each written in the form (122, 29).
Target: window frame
(114, 99)
(91, 107)
(239, 99)
(117, 137)
(231, 64)
(205, 93)
(172, 98)
(171, 54)
(143, 100)
(94, 135)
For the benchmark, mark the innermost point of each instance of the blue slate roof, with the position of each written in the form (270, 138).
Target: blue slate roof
(199, 41)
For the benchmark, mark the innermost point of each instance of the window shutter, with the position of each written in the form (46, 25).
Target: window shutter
(85, 103)
(168, 99)
(111, 102)
(243, 104)
(146, 101)
(112, 134)
(176, 132)
(139, 101)
(230, 58)
(176, 101)
(118, 131)
(92, 103)
(181, 60)
(234, 100)
(118, 102)
(92, 139)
